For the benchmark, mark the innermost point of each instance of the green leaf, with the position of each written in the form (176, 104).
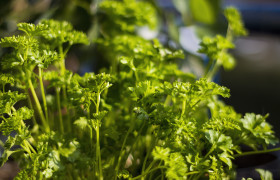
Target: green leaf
(78, 37)
(24, 113)
(203, 11)
(99, 116)
(31, 29)
(68, 150)
(82, 122)
(19, 42)
(60, 32)
(181, 6)
(124, 16)
(8, 99)
(265, 174)
(215, 48)
(259, 130)
(219, 141)
(124, 174)
(235, 21)
(44, 58)
(56, 80)
(6, 79)
(177, 166)
(48, 173)
(161, 153)
(14, 122)
(211, 88)
(226, 158)
(10, 142)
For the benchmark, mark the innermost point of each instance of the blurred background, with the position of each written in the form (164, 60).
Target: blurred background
(254, 83)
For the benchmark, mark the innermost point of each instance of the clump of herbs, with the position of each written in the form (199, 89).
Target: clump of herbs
(141, 118)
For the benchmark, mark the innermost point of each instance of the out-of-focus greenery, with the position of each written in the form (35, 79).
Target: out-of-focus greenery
(90, 17)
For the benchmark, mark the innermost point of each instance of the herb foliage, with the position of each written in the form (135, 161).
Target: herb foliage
(141, 118)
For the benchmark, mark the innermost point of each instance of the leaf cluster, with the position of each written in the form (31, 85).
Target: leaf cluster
(142, 117)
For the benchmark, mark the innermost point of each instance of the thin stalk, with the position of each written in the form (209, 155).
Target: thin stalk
(160, 176)
(122, 151)
(14, 109)
(150, 166)
(98, 154)
(30, 147)
(90, 129)
(198, 175)
(167, 100)
(62, 72)
(88, 113)
(91, 136)
(25, 142)
(144, 163)
(26, 148)
(138, 177)
(147, 156)
(183, 108)
(67, 108)
(30, 106)
(57, 90)
(38, 106)
(210, 73)
(136, 76)
(213, 71)
(43, 94)
(62, 60)
(137, 138)
(257, 152)
(209, 65)
(211, 150)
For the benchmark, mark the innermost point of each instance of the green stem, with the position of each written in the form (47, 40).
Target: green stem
(98, 154)
(147, 156)
(183, 108)
(137, 138)
(88, 113)
(91, 137)
(57, 90)
(62, 72)
(30, 106)
(167, 100)
(67, 109)
(97, 102)
(43, 94)
(62, 60)
(150, 166)
(160, 176)
(136, 76)
(30, 146)
(144, 163)
(211, 150)
(122, 151)
(209, 65)
(39, 108)
(138, 177)
(26, 148)
(257, 152)
(211, 73)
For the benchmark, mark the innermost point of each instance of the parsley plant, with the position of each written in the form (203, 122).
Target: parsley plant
(142, 118)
